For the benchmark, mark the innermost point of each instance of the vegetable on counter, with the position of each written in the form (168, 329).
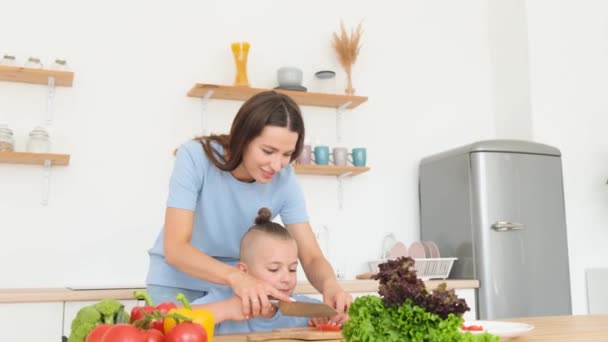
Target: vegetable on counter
(204, 318)
(398, 282)
(188, 332)
(472, 327)
(107, 311)
(406, 311)
(328, 327)
(139, 312)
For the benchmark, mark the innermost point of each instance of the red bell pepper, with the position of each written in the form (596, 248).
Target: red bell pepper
(140, 312)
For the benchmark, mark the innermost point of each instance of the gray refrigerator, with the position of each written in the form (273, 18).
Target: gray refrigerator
(498, 206)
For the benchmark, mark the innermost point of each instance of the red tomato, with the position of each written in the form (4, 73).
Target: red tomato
(97, 333)
(153, 335)
(187, 332)
(328, 327)
(122, 333)
(472, 328)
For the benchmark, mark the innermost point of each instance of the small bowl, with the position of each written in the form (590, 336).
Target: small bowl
(289, 77)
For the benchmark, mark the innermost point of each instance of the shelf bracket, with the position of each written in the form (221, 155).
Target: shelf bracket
(50, 98)
(205, 100)
(47, 182)
(339, 111)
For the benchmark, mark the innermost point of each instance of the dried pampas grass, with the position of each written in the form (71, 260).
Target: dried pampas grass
(347, 48)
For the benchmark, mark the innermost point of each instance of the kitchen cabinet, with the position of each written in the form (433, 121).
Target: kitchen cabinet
(26, 322)
(71, 309)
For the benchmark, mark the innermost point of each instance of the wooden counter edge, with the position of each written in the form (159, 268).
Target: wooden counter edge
(67, 295)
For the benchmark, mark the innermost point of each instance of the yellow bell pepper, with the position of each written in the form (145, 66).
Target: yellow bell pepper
(204, 318)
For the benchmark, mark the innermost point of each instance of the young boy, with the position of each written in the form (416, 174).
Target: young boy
(269, 253)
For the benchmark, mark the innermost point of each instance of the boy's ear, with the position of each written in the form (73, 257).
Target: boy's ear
(241, 266)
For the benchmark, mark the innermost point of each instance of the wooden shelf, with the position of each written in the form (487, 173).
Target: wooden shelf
(36, 76)
(34, 158)
(241, 93)
(328, 170)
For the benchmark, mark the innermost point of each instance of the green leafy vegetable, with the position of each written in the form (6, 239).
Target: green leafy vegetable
(406, 311)
(371, 321)
(398, 282)
(107, 311)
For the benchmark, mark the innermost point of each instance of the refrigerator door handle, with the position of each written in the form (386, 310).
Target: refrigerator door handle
(504, 226)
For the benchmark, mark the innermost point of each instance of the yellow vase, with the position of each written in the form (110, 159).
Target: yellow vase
(240, 52)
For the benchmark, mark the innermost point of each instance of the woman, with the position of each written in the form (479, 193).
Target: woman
(218, 184)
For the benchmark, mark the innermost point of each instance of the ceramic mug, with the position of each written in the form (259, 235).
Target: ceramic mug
(306, 155)
(340, 156)
(359, 155)
(321, 155)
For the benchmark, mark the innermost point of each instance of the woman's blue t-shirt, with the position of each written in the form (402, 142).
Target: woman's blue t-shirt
(224, 209)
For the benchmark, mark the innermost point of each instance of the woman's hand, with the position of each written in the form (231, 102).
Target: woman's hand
(233, 309)
(339, 300)
(254, 294)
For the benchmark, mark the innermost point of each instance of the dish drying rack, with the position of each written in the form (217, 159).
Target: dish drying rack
(426, 268)
(433, 268)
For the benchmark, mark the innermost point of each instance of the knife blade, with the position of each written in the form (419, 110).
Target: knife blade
(305, 309)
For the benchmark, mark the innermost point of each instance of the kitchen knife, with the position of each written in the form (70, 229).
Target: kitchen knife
(305, 309)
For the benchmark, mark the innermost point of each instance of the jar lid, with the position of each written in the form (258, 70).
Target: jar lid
(61, 61)
(40, 132)
(9, 57)
(34, 60)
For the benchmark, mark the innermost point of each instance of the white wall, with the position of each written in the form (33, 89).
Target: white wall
(438, 74)
(569, 78)
(424, 66)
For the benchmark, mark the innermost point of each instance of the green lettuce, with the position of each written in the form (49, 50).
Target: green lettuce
(371, 321)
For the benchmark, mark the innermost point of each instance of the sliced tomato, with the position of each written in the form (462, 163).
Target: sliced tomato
(472, 328)
(328, 327)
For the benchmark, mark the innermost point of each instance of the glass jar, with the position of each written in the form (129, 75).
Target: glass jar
(39, 141)
(33, 63)
(60, 64)
(8, 60)
(7, 142)
(325, 81)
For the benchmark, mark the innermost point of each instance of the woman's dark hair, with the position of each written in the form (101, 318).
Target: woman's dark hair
(267, 108)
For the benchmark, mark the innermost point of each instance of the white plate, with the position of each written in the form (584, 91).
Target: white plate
(500, 329)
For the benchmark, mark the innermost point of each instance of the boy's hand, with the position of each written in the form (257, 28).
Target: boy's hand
(254, 295)
(316, 321)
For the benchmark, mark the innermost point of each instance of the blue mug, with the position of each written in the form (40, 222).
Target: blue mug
(321, 155)
(359, 156)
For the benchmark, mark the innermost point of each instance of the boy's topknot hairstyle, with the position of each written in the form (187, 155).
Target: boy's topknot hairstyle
(263, 226)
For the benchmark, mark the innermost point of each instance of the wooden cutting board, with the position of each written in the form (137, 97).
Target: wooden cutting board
(284, 335)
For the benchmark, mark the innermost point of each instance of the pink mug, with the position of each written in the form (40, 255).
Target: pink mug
(305, 156)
